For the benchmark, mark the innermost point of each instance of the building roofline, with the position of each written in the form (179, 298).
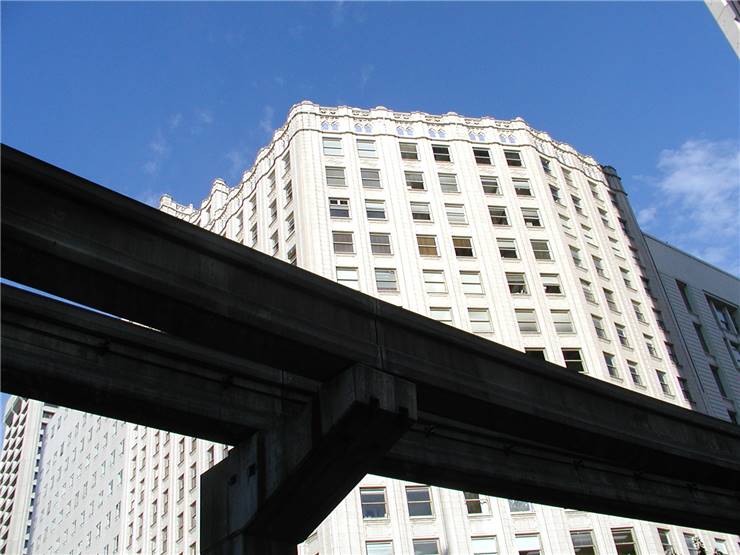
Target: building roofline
(712, 266)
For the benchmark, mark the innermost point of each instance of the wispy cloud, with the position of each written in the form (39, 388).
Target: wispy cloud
(205, 117)
(149, 197)
(237, 158)
(365, 73)
(337, 13)
(175, 121)
(268, 112)
(698, 200)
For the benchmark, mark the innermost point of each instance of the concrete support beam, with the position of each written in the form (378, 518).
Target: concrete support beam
(273, 490)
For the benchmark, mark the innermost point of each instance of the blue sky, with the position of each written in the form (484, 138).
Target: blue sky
(148, 98)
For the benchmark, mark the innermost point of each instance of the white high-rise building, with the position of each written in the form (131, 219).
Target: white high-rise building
(484, 224)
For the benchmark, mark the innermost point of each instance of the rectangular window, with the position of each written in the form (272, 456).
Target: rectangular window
(332, 146)
(441, 153)
(375, 209)
(626, 278)
(513, 159)
(638, 312)
(650, 346)
(517, 283)
(634, 373)
(471, 283)
(448, 183)
(370, 178)
(473, 503)
(426, 547)
(563, 321)
(702, 339)
(577, 203)
(576, 256)
(253, 234)
(665, 542)
(463, 247)
(290, 224)
(490, 185)
(522, 188)
(583, 543)
(555, 193)
(520, 506)
(551, 284)
(379, 548)
(725, 315)
(622, 335)
(484, 545)
(275, 242)
(599, 265)
(527, 544)
(535, 353)
(498, 215)
(420, 212)
(604, 217)
(541, 249)
(599, 327)
(568, 177)
(380, 243)
(663, 381)
(684, 385)
(419, 500)
(482, 156)
(385, 279)
(720, 547)
(565, 223)
(507, 248)
(573, 360)
(427, 245)
(286, 163)
(366, 148)
(588, 292)
(718, 380)
(546, 165)
(414, 181)
(531, 217)
(692, 543)
(526, 320)
(434, 281)
(373, 503)
(273, 211)
(193, 516)
(339, 207)
(624, 541)
(441, 314)
(293, 256)
(611, 365)
(348, 276)
(611, 301)
(408, 151)
(456, 214)
(343, 243)
(335, 177)
(480, 320)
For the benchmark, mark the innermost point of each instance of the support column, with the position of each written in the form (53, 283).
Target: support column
(273, 490)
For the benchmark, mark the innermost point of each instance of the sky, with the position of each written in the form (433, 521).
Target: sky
(152, 98)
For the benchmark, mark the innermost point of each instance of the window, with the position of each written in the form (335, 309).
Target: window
(535, 353)
(576, 256)
(339, 207)
(599, 327)
(634, 373)
(480, 320)
(551, 284)
(448, 183)
(663, 381)
(379, 548)
(273, 210)
(373, 502)
(408, 151)
(473, 503)
(638, 312)
(513, 159)
(286, 163)
(484, 545)
(531, 217)
(546, 165)
(471, 283)
(684, 385)
(665, 542)
(271, 183)
(517, 283)
(562, 320)
(254, 236)
(498, 215)
(573, 360)
(650, 346)
(441, 153)
(180, 487)
(419, 500)
(526, 320)
(692, 543)
(611, 302)
(599, 265)
(482, 156)
(577, 203)
(414, 181)
(193, 516)
(380, 243)
(370, 178)
(735, 352)
(193, 476)
(420, 212)
(180, 525)
(718, 380)
(555, 193)
(385, 279)
(624, 542)
(720, 547)
(366, 148)
(627, 278)
(348, 277)
(520, 506)
(604, 217)
(528, 544)
(725, 315)
(522, 187)
(441, 314)
(587, 291)
(332, 146)
(622, 335)
(375, 209)
(490, 185)
(426, 547)
(583, 543)
(427, 245)
(275, 242)
(565, 223)
(463, 247)
(335, 177)
(702, 339)
(290, 224)
(343, 242)
(507, 248)
(456, 214)
(541, 249)
(434, 281)
(611, 365)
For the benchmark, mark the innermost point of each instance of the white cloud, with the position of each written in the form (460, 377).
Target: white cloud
(646, 215)
(266, 122)
(151, 167)
(149, 197)
(238, 162)
(175, 121)
(365, 73)
(205, 117)
(159, 144)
